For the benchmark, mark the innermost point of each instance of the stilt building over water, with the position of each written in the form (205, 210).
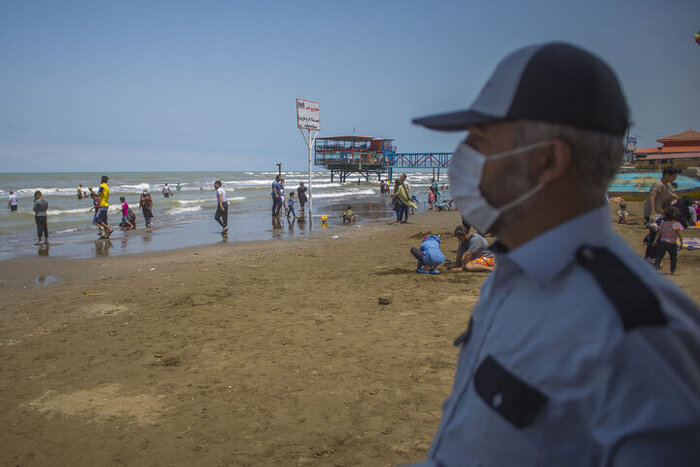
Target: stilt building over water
(348, 154)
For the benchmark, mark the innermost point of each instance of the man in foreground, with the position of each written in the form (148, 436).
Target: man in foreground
(576, 354)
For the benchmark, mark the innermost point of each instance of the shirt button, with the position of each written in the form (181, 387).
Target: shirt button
(497, 400)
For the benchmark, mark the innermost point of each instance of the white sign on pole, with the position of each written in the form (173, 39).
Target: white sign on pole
(308, 115)
(309, 119)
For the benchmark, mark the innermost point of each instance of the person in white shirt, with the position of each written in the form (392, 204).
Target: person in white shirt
(12, 203)
(221, 215)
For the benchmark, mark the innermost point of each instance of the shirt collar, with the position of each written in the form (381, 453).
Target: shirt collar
(546, 255)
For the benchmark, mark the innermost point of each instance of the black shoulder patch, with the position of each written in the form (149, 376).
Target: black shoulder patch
(635, 303)
(511, 397)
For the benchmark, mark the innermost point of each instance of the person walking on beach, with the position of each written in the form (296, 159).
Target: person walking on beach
(667, 236)
(96, 207)
(101, 221)
(575, 352)
(221, 215)
(12, 202)
(290, 205)
(283, 198)
(660, 192)
(146, 206)
(276, 196)
(301, 194)
(40, 218)
(401, 202)
(166, 191)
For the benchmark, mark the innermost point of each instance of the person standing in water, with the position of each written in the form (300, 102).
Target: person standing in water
(40, 208)
(301, 194)
(146, 205)
(101, 221)
(166, 191)
(221, 215)
(12, 202)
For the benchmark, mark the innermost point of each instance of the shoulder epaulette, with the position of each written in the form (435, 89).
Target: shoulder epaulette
(634, 302)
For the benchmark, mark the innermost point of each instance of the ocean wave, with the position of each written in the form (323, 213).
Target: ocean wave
(51, 191)
(344, 194)
(138, 187)
(58, 212)
(182, 210)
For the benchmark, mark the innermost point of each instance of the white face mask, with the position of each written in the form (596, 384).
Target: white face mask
(466, 170)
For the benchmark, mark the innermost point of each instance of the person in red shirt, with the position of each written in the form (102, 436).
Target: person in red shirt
(665, 240)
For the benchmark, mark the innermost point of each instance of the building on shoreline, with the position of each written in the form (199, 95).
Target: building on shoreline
(347, 154)
(681, 150)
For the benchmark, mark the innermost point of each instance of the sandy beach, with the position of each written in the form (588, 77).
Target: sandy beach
(259, 353)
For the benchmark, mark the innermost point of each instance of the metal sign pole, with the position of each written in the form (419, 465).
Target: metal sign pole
(309, 143)
(311, 198)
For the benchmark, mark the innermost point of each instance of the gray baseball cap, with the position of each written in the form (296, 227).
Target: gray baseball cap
(553, 82)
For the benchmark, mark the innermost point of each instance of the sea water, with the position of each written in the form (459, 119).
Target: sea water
(184, 219)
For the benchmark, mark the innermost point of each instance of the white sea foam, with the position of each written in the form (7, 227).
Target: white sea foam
(175, 211)
(345, 194)
(195, 201)
(58, 212)
(139, 187)
(53, 191)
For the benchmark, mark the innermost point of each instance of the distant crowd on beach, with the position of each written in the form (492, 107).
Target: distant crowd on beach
(100, 199)
(290, 204)
(666, 215)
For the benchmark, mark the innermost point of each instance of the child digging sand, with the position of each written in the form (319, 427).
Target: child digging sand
(429, 255)
(348, 215)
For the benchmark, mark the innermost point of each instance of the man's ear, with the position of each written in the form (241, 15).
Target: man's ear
(555, 161)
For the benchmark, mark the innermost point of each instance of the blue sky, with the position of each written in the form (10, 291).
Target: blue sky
(211, 85)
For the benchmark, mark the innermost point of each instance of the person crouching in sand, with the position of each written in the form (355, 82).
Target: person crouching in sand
(473, 254)
(429, 255)
(348, 215)
(126, 215)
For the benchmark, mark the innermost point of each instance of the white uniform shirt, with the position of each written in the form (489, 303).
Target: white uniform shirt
(571, 359)
(221, 193)
(13, 199)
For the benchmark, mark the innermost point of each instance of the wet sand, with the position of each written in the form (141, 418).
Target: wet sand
(260, 353)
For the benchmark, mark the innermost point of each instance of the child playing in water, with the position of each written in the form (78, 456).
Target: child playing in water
(124, 210)
(348, 215)
(290, 205)
(431, 199)
(414, 198)
(429, 256)
(96, 206)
